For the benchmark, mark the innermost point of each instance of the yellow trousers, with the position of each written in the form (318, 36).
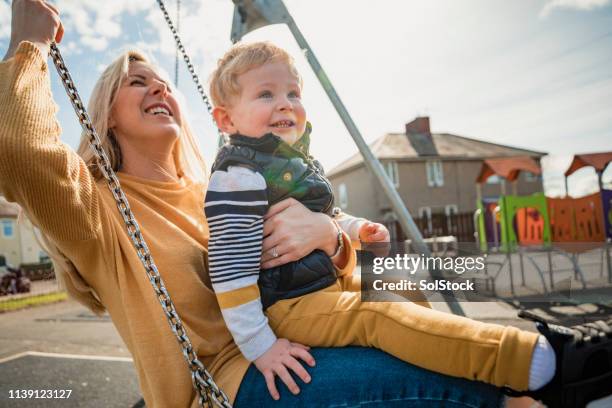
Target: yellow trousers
(436, 341)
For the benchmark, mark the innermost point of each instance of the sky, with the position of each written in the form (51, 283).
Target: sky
(534, 74)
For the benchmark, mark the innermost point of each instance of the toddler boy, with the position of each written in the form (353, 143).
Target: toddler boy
(256, 91)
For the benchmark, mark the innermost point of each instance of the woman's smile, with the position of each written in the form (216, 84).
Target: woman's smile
(159, 109)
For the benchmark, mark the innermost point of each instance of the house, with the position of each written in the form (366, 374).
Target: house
(435, 175)
(18, 243)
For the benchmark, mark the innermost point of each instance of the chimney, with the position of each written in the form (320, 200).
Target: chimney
(418, 125)
(419, 136)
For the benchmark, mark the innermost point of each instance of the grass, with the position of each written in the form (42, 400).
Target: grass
(16, 304)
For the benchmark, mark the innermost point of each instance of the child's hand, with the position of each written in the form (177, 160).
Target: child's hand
(278, 358)
(372, 232)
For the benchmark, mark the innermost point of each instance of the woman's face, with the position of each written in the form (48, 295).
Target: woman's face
(145, 114)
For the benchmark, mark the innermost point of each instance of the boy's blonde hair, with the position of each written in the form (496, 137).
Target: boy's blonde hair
(242, 58)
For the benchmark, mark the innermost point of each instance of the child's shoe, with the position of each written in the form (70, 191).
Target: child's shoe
(584, 363)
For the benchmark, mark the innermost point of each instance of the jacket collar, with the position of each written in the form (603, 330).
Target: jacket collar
(270, 143)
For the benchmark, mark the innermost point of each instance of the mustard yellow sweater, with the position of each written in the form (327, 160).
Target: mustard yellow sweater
(78, 213)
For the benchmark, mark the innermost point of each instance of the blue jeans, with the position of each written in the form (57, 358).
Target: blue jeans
(366, 377)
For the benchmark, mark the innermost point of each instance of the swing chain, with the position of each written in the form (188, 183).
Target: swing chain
(190, 68)
(203, 382)
(176, 54)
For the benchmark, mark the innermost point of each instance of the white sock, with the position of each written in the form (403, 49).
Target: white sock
(543, 364)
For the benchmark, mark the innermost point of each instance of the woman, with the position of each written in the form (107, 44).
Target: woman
(151, 147)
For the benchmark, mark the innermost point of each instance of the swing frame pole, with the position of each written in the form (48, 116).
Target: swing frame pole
(252, 14)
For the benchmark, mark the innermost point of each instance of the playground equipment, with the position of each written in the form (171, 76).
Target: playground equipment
(535, 224)
(599, 162)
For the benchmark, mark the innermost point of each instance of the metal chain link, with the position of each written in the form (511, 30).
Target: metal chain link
(203, 382)
(176, 54)
(190, 68)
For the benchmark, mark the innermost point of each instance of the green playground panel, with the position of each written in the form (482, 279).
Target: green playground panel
(482, 232)
(509, 205)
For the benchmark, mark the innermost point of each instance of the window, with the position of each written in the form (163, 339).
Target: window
(530, 177)
(494, 179)
(392, 173)
(425, 213)
(450, 209)
(7, 228)
(435, 173)
(43, 256)
(343, 196)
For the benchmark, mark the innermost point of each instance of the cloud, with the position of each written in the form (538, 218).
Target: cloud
(71, 48)
(204, 30)
(572, 4)
(95, 43)
(204, 25)
(5, 20)
(98, 22)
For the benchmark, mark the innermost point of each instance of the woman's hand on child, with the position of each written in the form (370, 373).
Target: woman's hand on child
(282, 355)
(36, 21)
(375, 233)
(292, 231)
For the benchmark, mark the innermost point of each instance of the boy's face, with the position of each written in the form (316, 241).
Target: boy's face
(270, 102)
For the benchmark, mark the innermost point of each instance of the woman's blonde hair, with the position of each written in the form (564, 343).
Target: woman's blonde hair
(242, 58)
(187, 158)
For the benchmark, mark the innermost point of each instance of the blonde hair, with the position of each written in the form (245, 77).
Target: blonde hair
(242, 58)
(186, 154)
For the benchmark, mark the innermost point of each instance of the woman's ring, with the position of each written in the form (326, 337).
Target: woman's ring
(274, 253)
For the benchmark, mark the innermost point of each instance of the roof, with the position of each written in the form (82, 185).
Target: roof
(597, 160)
(395, 146)
(8, 210)
(507, 167)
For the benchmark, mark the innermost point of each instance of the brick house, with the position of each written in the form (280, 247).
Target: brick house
(435, 176)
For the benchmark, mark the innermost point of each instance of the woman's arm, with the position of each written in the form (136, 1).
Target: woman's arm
(294, 231)
(38, 171)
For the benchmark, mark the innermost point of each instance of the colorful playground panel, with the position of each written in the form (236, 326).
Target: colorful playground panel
(536, 219)
(577, 219)
(528, 229)
(606, 199)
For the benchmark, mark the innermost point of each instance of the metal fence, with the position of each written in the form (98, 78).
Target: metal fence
(461, 226)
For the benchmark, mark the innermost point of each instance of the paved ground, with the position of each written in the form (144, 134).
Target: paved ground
(68, 329)
(64, 327)
(73, 381)
(73, 350)
(533, 274)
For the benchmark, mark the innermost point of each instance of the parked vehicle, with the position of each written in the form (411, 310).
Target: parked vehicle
(13, 281)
